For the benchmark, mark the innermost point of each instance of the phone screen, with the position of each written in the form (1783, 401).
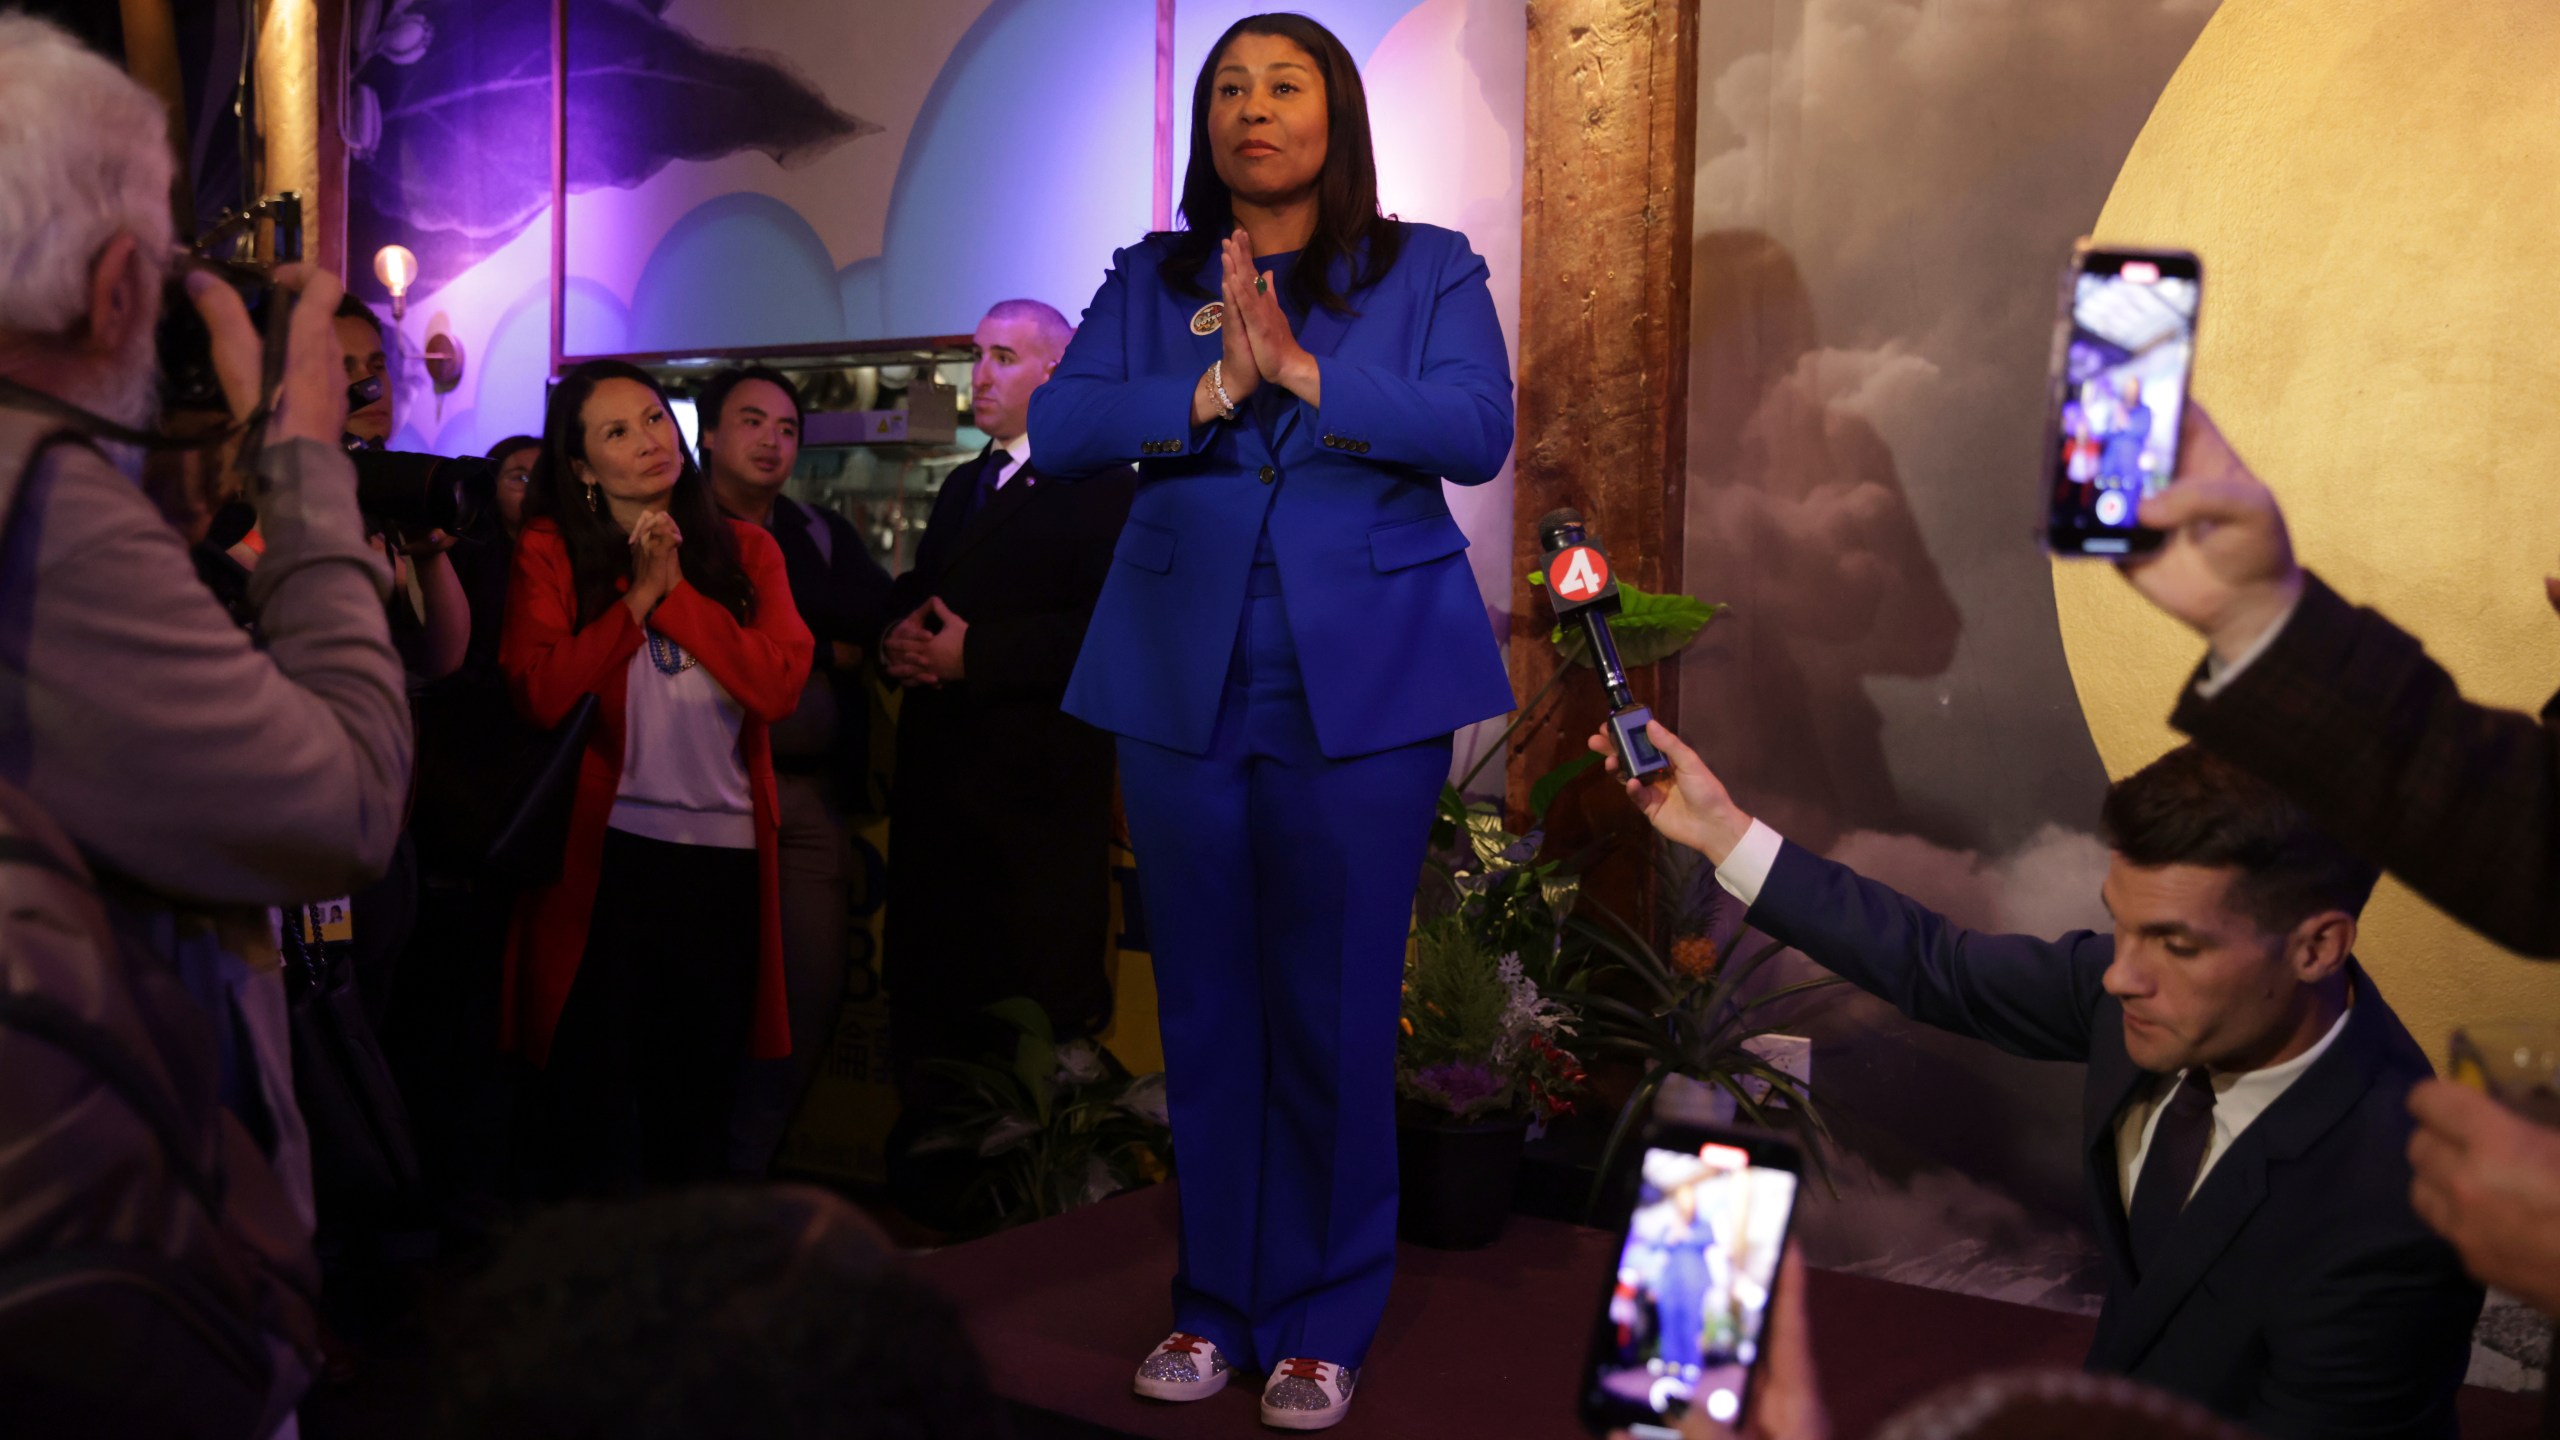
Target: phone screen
(1695, 1268)
(2129, 339)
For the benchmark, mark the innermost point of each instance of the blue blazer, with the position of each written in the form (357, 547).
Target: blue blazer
(2299, 1293)
(1392, 634)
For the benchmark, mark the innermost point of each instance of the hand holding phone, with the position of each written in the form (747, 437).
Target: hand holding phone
(2124, 346)
(2225, 564)
(1706, 1214)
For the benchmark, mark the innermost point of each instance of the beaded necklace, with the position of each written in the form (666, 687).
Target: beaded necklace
(670, 657)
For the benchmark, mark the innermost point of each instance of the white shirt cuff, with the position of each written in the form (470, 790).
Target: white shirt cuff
(2218, 676)
(1747, 868)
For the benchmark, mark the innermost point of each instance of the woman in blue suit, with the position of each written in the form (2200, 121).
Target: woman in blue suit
(1288, 637)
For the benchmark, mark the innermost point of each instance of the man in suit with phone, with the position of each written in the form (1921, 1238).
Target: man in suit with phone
(2336, 706)
(2244, 1109)
(1000, 820)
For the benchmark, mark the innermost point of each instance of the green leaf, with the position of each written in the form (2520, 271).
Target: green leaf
(1550, 785)
(1649, 628)
(1035, 1064)
(1631, 1118)
(1819, 982)
(1024, 1014)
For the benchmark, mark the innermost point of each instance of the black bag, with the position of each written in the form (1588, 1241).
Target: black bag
(364, 1162)
(534, 841)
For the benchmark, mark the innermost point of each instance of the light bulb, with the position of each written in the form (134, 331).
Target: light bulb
(397, 269)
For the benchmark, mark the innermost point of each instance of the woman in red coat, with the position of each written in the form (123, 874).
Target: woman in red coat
(639, 980)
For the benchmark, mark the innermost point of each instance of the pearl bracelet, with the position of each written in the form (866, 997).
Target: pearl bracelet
(1218, 387)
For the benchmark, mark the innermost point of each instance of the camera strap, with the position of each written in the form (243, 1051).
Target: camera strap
(99, 427)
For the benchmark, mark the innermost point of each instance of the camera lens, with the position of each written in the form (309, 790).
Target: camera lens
(410, 495)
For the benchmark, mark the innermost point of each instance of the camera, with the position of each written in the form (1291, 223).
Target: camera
(406, 496)
(189, 383)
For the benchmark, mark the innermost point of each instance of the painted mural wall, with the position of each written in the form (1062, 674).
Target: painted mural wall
(1886, 190)
(807, 171)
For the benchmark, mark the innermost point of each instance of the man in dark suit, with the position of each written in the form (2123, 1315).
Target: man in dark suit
(2244, 1108)
(2344, 712)
(1000, 821)
(821, 753)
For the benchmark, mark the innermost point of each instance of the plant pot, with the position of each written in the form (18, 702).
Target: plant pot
(1457, 1177)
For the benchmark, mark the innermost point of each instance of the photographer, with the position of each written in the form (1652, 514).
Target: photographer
(205, 777)
(430, 618)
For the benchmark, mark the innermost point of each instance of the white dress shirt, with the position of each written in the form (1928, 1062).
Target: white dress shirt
(1011, 455)
(2218, 676)
(2238, 1098)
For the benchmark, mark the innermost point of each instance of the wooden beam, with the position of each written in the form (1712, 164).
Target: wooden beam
(288, 100)
(151, 57)
(1604, 360)
(327, 241)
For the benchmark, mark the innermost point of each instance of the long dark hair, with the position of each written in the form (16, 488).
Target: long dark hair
(599, 551)
(1347, 213)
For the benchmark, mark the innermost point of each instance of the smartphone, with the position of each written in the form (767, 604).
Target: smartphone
(1704, 1218)
(2122, 350)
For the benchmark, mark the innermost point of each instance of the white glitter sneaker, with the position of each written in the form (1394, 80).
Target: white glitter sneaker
(1184, 1367)
(1307, 1394)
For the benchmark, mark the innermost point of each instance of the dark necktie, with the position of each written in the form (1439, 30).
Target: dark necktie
(990, 468)
(2169, 1167)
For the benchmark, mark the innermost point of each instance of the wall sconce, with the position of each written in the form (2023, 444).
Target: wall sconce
(397, 269)
(443, 360)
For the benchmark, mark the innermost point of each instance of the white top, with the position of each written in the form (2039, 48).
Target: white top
(1016, 453)
(2238, 1098)
(683, 780)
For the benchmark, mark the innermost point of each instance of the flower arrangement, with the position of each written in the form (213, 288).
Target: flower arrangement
(1479, 1037)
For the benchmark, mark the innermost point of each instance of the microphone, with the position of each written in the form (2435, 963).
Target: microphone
(1584, 591)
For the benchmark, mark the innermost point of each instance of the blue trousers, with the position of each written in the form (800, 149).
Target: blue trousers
(1278, 887)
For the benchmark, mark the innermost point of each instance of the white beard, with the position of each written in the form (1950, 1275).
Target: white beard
(129, 394)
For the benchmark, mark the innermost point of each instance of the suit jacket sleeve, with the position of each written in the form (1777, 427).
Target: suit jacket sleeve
(1030, 656)
(1454, 418)
(1093, 414)
(2345, 713)
(764, 663)
(2030, 997)
(548, 659)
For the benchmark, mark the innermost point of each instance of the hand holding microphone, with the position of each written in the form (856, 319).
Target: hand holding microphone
(1584, 592)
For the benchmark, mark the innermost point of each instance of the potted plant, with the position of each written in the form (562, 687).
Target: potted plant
(1481, 1058)
(1494, 974)
(1059, 1125)
(1696, 1018)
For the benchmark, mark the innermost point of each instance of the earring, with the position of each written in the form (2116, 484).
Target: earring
(591, 497)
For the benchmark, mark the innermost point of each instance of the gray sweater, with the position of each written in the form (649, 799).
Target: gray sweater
(173, 751)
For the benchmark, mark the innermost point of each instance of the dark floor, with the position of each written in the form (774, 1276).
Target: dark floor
(1482, 1343)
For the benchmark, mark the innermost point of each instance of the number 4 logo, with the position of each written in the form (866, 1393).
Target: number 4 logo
(1581, 573)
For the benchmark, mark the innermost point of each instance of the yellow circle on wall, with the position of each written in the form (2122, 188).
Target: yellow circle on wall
(2375, 192)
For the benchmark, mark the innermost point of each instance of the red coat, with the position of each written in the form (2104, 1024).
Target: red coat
(549, 663)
